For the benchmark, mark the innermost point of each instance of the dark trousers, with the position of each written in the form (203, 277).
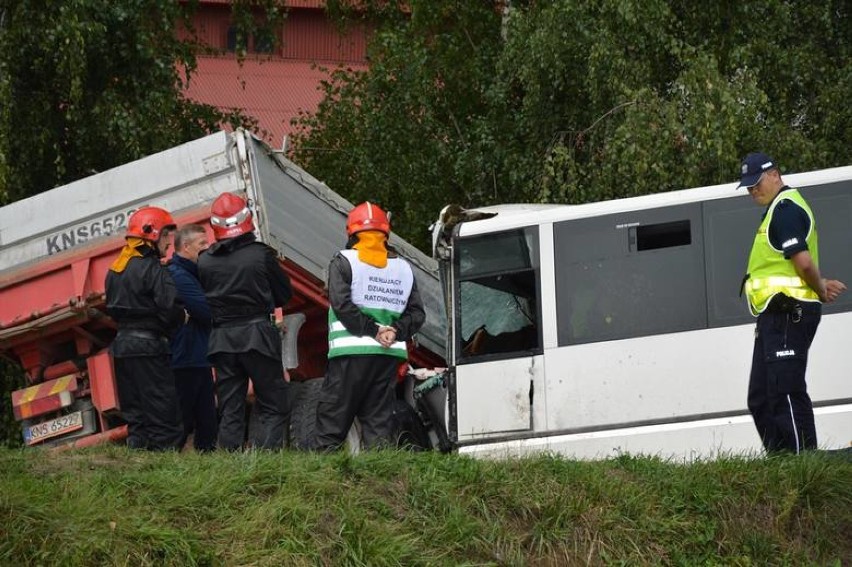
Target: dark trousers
(198, 405)
(149, 402)
(362, 387)
(272, 399)
(777, 393)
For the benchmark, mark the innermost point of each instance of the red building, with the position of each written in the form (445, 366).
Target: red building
(273, 85)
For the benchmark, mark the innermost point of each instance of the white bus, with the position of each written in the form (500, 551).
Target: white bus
(596, 329)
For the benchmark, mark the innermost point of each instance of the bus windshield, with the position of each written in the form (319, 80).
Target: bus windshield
(498, 311)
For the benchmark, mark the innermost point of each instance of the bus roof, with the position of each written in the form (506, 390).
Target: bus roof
(511, 216)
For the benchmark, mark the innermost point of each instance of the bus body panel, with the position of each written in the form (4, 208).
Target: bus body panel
(506, 385)
(706, 439)
(660, 378)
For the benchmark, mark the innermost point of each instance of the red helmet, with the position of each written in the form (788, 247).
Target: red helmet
(367, 216)
(230, 216)
(149, 223)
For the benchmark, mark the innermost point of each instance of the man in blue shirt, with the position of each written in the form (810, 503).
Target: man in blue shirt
(193, 375)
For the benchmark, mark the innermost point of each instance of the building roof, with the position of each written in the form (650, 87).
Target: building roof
(272, 91)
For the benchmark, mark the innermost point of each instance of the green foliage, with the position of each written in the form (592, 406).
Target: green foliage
(570, 102)
(110, 506)
(411, 133)
(86, 85)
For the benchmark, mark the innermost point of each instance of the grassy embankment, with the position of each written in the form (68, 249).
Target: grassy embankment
(108, 506)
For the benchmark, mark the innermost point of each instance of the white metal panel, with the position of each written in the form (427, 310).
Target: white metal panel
(672, 376)
(648, 378)
(53, 221)
(829, 374)
(505, 384)
(550, 335)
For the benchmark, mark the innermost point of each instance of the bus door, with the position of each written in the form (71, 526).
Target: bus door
(497, 350)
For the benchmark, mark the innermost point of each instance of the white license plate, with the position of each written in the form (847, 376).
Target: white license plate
(47, 429)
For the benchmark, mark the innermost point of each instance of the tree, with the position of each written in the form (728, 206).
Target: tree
(569, 102)
(663, 95)
(411, 132)
(86, 85)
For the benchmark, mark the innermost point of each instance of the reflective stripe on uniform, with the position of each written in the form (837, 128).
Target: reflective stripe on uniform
(775, 281)
(351, 341)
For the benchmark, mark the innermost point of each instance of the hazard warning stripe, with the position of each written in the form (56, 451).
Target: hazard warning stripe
(45, 389)
(44, 405)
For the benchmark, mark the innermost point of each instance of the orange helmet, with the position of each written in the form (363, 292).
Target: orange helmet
(149, 223)
(230, 216)
(367, 216)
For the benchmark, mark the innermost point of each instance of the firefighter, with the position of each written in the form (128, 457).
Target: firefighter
(142, 299)
(244, 283)
(785, 289)
(374, 309)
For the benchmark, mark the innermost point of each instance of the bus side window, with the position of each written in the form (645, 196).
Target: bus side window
(630, 274)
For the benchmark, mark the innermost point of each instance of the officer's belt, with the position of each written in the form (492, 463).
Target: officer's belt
(239, 322)
(141, 334)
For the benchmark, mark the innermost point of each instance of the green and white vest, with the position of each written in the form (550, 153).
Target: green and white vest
(380, 293)
(770, 273)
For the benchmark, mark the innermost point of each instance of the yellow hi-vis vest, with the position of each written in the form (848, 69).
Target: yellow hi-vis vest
(769, 272)
(381, 293)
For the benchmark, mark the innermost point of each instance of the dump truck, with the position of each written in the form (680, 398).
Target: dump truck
(56, 248)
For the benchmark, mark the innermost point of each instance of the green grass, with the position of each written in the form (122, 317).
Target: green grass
(110, 506)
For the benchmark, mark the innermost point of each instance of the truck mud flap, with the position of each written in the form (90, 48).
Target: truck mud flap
(303, 416)
(411, 430)
(429, 398)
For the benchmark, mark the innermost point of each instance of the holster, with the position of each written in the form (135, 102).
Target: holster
(781, 303)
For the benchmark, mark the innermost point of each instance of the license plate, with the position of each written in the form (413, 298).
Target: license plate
(47, 429)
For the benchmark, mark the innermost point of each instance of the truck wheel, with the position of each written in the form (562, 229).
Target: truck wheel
(304, 416)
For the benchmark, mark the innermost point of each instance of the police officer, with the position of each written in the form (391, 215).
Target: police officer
(374, 309)
(142, 299)
(785, 289)
(244, 282)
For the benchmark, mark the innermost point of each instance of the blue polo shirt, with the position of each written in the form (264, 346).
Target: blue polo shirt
(789, 227)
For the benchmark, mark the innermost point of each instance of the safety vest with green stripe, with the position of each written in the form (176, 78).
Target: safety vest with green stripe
(770, 273)
(380, 293)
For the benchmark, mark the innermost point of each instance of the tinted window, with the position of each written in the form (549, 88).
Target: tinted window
(663, 235)
(496, 254)
(730, 226)
(630, 274)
